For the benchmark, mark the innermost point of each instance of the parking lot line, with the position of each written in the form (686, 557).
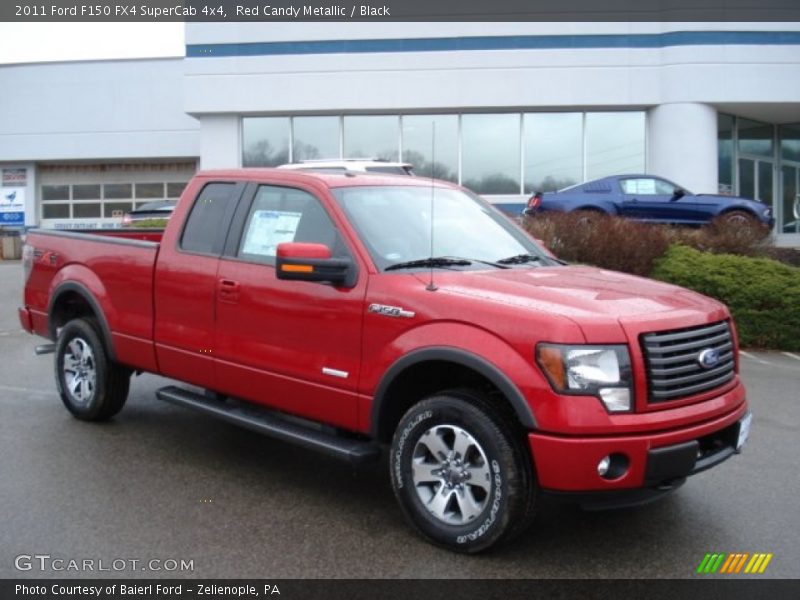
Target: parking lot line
(791, 355)
(21, 390)
(753, 357)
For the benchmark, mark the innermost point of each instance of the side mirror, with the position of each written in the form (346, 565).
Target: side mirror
(678, 193)
(312, 262)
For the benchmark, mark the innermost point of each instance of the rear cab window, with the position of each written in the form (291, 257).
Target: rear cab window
(206, 226)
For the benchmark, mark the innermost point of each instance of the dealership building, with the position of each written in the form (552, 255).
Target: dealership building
(502, 108)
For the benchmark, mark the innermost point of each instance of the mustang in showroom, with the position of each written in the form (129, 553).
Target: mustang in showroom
(654, 199)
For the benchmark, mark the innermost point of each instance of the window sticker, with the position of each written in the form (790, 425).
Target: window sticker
(267, 229)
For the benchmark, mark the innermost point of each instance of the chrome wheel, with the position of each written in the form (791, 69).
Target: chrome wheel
(80, 371)
(451, 474)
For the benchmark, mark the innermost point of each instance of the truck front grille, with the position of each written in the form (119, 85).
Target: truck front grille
(672, 358)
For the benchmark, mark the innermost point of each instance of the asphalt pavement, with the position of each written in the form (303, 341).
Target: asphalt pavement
(164, 483)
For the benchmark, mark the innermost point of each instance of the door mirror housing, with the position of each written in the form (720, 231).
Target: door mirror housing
(297, 261)
(678, 193)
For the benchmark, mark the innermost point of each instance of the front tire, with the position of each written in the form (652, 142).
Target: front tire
(459, 472)
(91, 385)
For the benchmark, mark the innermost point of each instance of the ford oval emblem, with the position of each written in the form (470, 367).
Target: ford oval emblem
(708, 358)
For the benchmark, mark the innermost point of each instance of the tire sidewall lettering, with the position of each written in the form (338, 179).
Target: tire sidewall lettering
(496, 505)
(401, 443)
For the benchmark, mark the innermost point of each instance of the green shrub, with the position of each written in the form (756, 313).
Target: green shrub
(763, 294)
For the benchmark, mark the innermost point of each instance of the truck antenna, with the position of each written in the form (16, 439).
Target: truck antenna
(431, 287)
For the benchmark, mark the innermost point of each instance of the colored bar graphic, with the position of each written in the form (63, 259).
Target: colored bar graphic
(765, 563)
(701, 568)
(754, 563)
(728, 563)
(734, 563)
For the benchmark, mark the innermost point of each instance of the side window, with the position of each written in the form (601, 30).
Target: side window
(281, 214)
(203, 225)
(647, 187)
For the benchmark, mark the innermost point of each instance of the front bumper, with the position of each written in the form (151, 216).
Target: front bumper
(654, 460)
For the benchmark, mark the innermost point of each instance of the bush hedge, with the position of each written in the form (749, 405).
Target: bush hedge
(601, 240)
(762, 294)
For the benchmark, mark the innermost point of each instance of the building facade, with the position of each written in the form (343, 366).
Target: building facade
(502, 108)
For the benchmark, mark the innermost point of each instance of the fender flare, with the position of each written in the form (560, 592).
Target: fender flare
(83, 292)
(739, 208)
(461, 357)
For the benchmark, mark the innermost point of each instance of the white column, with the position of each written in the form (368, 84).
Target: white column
(682, 145)
(220, 142)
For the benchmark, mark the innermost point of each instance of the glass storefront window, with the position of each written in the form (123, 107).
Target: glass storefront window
(174, 190)
(117, 191)
(55, 192)
(790, 142)
(55, 211)
(116, 209)
(755, 138)
(315, 138)
(150, 190)
(85, 210)
(725, 153)
(417, 145)
(614, 143)
(86, 192)
(747, 178)
(490, 153)
(790, 177)
(372, 137)
(553, 150)
(265, 141)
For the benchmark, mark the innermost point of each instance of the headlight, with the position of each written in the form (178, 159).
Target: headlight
(601, 371)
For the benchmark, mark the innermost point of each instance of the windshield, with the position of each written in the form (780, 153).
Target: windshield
(395, 224)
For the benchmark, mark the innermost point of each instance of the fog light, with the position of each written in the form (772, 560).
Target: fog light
(613, 466)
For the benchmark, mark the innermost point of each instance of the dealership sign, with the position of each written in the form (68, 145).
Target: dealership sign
(12, 206)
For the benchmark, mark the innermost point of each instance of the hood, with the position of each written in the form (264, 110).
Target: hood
(590, 297)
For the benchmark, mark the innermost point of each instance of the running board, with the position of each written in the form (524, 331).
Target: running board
(347, 449)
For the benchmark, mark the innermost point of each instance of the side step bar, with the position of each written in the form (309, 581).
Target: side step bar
(350, 450)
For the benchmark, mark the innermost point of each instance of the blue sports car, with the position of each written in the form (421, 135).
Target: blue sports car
(648, 198)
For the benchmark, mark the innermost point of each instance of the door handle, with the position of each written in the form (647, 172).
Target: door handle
(228, 290)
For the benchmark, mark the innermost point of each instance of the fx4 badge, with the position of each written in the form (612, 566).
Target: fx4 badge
(391, 311)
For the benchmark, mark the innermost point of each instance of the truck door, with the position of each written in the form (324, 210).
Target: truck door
(186, 284)
(291, 345)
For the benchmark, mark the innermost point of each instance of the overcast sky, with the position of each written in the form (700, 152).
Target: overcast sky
(34, 42)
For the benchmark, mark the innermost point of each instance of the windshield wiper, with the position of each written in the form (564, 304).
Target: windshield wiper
(440, 261)
(520, 259)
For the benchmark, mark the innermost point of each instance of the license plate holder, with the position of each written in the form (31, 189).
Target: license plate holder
(744, 431)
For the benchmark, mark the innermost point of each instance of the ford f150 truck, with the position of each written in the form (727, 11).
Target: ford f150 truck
(348, 313)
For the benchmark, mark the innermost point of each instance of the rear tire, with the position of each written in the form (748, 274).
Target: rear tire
(461, 473)
(588, 216)
(91, 385)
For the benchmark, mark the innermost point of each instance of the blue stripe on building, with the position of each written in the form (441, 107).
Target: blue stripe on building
(512, 42)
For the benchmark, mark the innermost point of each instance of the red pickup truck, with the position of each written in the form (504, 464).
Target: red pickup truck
(348, 313)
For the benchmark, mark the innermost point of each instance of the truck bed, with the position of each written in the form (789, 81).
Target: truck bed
(116, 267)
